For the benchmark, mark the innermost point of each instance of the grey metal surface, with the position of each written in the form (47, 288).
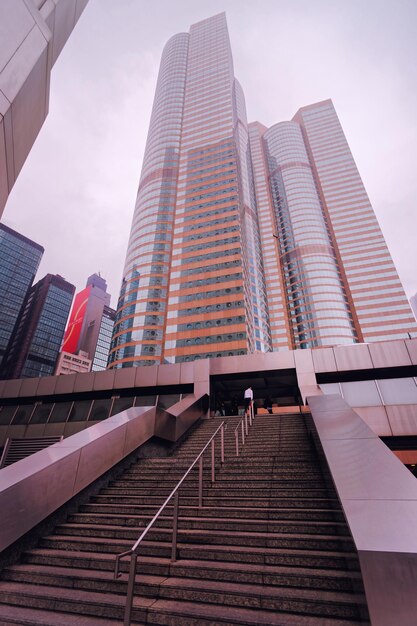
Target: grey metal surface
(379, 499)
(34, 487)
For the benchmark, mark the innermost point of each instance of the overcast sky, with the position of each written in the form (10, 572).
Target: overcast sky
(76, 192)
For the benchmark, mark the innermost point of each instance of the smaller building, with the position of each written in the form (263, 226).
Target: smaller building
(104, 339)
(91, 323)
(19, 262)
(34, 347)
(72, 363)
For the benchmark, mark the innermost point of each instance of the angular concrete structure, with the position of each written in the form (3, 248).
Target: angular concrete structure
(32, 34)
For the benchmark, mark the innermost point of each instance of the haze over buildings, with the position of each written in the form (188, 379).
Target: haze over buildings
(285, 54)
(245, 238)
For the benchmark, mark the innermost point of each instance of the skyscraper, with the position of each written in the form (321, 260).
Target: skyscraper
(101, 354)
(34, 346)
(86, 317)
(19, 262)
(246, 238)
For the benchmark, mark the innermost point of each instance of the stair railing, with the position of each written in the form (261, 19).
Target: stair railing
(133, 552)
(243, 427)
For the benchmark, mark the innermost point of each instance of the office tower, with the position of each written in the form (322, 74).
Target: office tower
(85, 321)
(379, 306)
(246, 238)
(101, 355)
(19, 262)
(35, 344)
(32, 36)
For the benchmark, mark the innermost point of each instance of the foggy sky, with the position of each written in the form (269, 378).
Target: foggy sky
(76, 192)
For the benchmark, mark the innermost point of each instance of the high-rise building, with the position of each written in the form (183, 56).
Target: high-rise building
(32, 36)
(34, 346)
(19, 262)
(245, 238)
(86, 317)
(101, 354)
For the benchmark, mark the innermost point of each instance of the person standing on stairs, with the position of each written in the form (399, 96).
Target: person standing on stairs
(248, 399)
(268, 404)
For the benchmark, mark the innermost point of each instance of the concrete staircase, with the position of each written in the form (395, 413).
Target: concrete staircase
(270, 545)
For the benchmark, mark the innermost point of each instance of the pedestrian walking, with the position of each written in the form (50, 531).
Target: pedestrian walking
(248, 397)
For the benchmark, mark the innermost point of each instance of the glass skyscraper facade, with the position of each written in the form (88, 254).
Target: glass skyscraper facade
(101, 354)
(19, 262)
(36, 340)
(246, 238)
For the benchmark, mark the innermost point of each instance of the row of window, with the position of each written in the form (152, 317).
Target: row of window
(208, 355)
(208, 308)
(210, 294)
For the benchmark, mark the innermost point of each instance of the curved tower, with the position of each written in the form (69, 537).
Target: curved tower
(318, 307)
(247, 239)
(141, 310)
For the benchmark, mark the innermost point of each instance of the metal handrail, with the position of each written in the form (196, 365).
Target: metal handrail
(244, 424)
(132, 552)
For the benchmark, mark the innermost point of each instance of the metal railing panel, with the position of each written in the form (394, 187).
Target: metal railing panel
(379, 499)
(36, 486)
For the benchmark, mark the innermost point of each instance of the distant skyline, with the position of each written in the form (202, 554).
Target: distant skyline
(76, 193)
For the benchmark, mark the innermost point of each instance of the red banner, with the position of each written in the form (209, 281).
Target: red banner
(72, 334)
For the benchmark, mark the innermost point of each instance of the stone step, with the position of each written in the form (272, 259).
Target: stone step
(292, 600)
(218, 523)
(225, 470)
(226, 512)
(104, 605)
(313, 578)
(285, 501)
(162, 612)
(88, 586)
(180, 584)
(331, 541)
(180, 613)
(220, 491)
(224, 480)
(37, 617)
(160, 565)
(214, 544)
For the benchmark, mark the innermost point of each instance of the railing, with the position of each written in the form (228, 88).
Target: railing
(133, 552)
(243, 427)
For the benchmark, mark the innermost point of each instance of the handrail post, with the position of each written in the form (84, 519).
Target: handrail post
(200, 482)
(252, 413)
(175, 528)
(222, 444)
(174, 494)
(213, 477)
(243, 433)
(246, 423)
(130, 587)
(237, 442)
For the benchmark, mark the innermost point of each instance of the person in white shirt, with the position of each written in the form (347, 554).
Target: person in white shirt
(248, 398)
